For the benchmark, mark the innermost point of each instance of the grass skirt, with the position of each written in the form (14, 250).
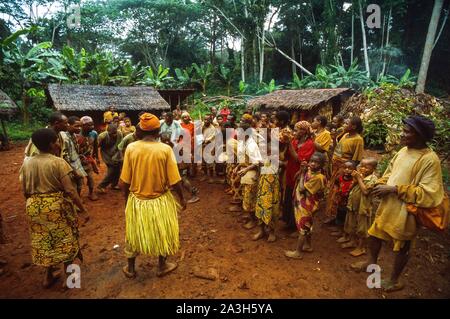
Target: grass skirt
(152, 225)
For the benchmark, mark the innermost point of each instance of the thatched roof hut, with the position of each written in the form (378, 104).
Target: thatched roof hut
(175, 97)
(7, 106)
(94, 100)
(309, 102)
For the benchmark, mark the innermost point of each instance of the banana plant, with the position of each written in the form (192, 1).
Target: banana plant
(184, 77)
(243, 87)
(268, 87)
(203, 74)
(75, 64)
(129, 73)
(227, 76)
(297, 83)
(158, 80)
(407, 80)
(32, 69)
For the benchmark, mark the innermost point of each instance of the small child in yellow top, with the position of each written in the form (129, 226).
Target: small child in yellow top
(360, 208)
(127, 128)
(309, 190)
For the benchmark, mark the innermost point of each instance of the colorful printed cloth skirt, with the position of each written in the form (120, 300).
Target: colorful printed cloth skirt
(53, 228)
(268, 199)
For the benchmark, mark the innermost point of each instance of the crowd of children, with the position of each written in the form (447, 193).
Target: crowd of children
(315, 167)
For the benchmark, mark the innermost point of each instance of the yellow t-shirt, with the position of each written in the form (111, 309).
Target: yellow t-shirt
(150, 168)
(324, 140)
(350, 148)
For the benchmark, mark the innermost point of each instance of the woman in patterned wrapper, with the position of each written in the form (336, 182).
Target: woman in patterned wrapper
(51, 206)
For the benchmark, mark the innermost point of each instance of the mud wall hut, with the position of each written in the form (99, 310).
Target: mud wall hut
(94, 100)
(7, 109)
(303, 104)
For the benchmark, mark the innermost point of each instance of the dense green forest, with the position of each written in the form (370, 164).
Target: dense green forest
(221, 47)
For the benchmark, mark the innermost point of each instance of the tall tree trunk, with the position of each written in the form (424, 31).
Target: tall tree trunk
(383, 70)
(293, 57)
(363, 30)
(442, 26)
(382, 38)
(242, 59)
(255, 61)
(428, 49)
(261, 55)
(213, 42)
(300, 41)
(353, 37)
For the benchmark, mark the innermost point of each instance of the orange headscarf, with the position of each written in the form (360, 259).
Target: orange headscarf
(148, 122)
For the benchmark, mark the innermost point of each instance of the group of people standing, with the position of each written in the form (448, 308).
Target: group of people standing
(321, 168)
(317, 166)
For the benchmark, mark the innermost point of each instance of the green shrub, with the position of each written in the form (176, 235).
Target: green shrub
(17, 131)
(375, 134)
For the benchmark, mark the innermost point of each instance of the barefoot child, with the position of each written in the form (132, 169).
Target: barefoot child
(359, 208)
(343, 185)
(307, 194)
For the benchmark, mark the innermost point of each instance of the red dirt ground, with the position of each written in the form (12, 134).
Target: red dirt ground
(210, 238)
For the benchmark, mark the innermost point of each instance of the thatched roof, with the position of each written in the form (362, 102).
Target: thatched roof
(305, 99)
(7, 106)
(71, 97)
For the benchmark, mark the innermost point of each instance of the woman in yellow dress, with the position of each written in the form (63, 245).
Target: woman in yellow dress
(413, 176)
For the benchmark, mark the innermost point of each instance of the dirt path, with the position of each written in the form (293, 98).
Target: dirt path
(210, 238)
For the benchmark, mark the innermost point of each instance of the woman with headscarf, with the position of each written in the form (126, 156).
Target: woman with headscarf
(413, 177)
(300, 150)
(349, 148)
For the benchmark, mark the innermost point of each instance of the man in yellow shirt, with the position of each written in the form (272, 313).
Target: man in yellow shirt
(149, 171)
(414, 176)
(109, 115)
